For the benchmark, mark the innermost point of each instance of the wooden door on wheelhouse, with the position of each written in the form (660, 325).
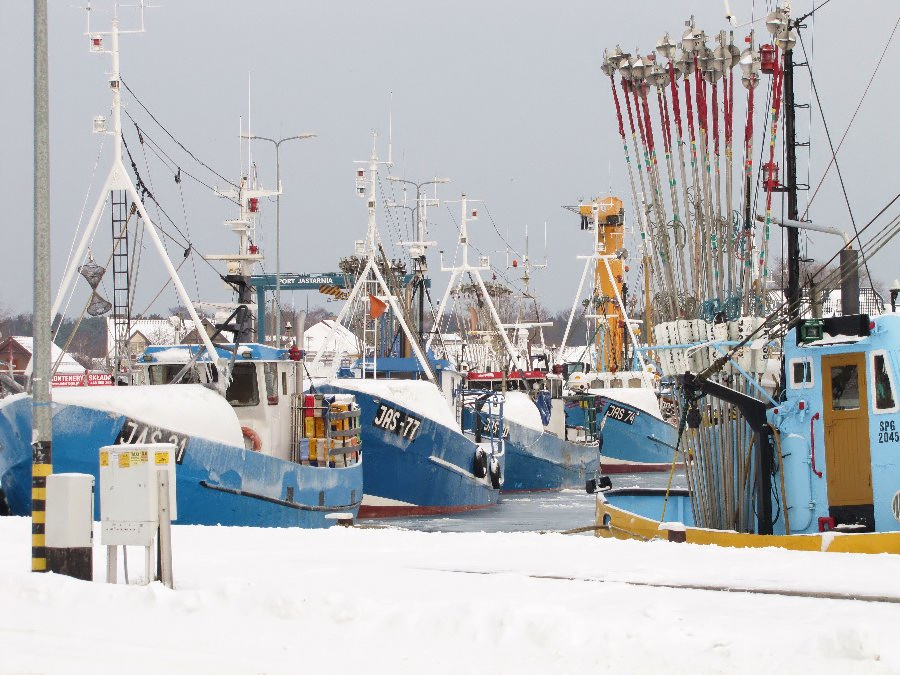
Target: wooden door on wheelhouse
(848, 457)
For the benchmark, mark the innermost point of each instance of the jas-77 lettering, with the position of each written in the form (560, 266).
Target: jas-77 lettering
(396, 421)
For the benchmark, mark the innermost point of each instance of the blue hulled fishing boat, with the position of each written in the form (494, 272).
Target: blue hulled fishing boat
(235, 412)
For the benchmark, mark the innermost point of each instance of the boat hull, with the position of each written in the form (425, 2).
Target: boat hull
(538, 460)
(647, 443)
(428, 475)
(217, 484)
(614, 521)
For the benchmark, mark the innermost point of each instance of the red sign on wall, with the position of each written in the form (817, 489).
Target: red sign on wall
(86, 379)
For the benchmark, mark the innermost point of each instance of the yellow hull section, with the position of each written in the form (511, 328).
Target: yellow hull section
(619, 524)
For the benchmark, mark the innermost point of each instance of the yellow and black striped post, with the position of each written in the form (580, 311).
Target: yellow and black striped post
(41, 464)
(41, 467)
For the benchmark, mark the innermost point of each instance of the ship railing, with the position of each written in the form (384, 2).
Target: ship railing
(480, 413)
(326, 432)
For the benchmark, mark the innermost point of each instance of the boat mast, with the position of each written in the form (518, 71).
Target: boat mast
(118, 179)
(790, 142)
(475, 272)
(370, 274)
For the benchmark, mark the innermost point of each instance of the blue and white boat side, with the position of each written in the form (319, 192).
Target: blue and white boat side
(419, 458)
(839, 426)
(561, 455)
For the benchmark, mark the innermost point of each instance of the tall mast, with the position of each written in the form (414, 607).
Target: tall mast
(790, 142)
(118, 179)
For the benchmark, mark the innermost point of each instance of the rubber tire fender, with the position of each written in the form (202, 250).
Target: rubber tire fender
(480, 465)
(495, 473)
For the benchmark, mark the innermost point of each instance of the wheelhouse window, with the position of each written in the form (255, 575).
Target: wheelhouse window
(885, 396)
(801, 373)
(243, 390)
(844, 387)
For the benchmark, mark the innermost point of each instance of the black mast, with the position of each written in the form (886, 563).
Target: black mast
(793, 234)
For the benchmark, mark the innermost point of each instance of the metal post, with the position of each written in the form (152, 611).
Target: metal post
(112, 565)
(261, 307)
(42, 456)
(277, 246)
(165, 528)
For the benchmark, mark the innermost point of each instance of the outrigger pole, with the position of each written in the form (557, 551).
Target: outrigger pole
(118, 179)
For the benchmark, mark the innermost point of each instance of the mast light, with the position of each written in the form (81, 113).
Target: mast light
(100, 124)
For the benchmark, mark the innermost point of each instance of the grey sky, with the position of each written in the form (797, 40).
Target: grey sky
(505, 98)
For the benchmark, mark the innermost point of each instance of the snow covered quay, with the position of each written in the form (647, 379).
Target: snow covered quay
(349, 600)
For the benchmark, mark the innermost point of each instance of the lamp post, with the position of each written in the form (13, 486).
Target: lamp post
(277, 144)
(419, 224)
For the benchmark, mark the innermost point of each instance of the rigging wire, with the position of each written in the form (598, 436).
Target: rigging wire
(785, 306)
(855, 112)
(179, 143)
(833, 151)
(174, 166)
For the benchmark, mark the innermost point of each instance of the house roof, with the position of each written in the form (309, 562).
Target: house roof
(319, 338)
(68, 363)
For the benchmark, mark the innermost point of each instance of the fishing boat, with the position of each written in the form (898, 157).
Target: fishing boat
(637, 435)
(552, 437)
(788, 421)
(233, 411)
(432, 446)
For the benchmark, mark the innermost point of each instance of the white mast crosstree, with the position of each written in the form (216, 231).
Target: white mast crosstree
(118, 179)
(371, 274)
(466, 268)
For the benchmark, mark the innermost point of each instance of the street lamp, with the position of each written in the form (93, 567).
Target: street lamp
(277, 144)
(419, 224)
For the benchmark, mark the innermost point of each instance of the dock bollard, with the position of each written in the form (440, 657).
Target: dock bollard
(674, 532)
(342, 519)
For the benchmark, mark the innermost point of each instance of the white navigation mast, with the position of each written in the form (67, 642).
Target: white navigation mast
(118, 179)
(475, 271)
(370, 276)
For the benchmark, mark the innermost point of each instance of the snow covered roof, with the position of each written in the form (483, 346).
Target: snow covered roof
(319, 337)
(68, 363)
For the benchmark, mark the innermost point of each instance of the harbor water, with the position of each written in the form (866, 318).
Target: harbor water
(530, 511)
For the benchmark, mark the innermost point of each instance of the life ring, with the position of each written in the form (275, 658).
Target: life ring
(495, 473)
(253, 437)
(480, 467)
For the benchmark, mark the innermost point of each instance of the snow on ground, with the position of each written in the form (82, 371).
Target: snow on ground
(391, 601)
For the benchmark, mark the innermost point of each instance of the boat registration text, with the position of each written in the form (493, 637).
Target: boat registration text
(396, 421)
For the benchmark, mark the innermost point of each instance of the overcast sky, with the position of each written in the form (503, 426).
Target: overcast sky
(505, 98)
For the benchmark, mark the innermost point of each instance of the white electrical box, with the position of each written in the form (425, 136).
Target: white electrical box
(129, 492)
(70, 510)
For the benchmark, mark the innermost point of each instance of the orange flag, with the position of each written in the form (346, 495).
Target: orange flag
(376, 307)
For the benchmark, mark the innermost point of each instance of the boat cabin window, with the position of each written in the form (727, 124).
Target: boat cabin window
(801, 373)
(243, 390)
(634, 382)
(165, 374)
(616, 384)
(844, 387)
(885, 397)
